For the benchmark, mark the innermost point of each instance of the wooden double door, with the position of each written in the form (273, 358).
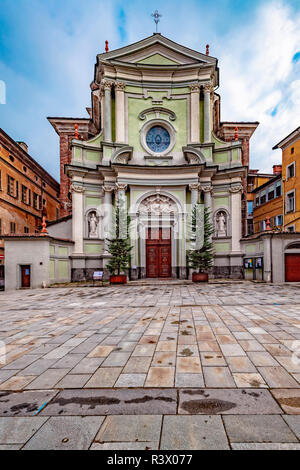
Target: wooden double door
(158, 252)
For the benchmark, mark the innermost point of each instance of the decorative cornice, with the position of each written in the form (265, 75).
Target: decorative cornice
(157, 109)
(121, 187)
(107, 84)
(194, 186)
(208, 88)
(207, 189)
(108, 188)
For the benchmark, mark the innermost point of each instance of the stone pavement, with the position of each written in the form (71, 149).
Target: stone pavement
(154, 365)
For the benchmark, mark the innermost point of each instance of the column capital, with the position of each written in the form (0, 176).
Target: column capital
(121, 187)
(77, 189)
(237, 188)
(207, 188)
(195, 87)
(107, 84)
(208, 88)
(120, 86)
(109, 188)
(194, 186)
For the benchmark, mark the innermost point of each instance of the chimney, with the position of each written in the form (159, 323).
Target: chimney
(277, 169)
(24, 146)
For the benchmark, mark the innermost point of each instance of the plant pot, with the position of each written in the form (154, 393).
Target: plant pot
(200, 277)
(118, 279)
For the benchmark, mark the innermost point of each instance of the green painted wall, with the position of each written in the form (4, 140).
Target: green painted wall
(52, 249)
(179, 107)
(222, 247)
(52, 269)
(93, 248)
(92, 201)
(221, 201)
(63, 250)
(63, 269)
(93, 156)
(157, 59)
(251, 248)
(221, 157)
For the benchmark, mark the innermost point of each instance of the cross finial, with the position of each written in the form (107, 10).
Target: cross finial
(156, 17)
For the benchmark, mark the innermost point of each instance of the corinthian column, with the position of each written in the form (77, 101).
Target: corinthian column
(207, 89)
(194, 188)
(208, 190)
(195, 113)
(120, 111)
(107, 219)
(107, 84)
(77, 217)
(236, 215)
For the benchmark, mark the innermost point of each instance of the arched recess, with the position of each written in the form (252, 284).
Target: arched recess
(228, 222)
(89, 231)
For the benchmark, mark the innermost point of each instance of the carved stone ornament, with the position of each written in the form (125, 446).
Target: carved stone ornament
(195, 88)
(194, 186)
(77, 189)
(207, 189)
(236, 189)
(221, 223)
(208, 88)
(121, 187)
(157, 204)
(120, 86)
(108, 188)
(107, 84)
(93, 222)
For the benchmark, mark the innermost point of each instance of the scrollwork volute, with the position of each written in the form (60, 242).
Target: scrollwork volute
(158, 204)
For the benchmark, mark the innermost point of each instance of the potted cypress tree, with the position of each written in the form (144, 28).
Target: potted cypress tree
(201, 257)
(119, 248)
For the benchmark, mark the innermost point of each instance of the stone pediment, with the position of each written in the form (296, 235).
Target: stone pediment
(157, 50)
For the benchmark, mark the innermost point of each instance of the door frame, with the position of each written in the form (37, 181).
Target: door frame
(159, 245)
(20, 275)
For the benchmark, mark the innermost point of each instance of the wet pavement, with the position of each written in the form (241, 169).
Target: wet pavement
(152, 365)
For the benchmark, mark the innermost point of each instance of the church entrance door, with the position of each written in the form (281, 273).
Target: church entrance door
(158, 252)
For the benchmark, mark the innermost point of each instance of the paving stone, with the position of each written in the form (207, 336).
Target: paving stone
(277, 349)
(230, 401)
(262, 359)
(160, 377)
(131, 380)
(166, 346)
(249, 380)
(144, 350)
(264, 428)
(6, 374)
(137, 365)
(17, 382)
(251, 345)
(289, 363)
(209, 346)
(73, 381)
(189, 380)
(116, 359)
(47, 379)
(232, 350)
(130, 428)
(88, 365)
(124, 446)
(193, 433)
(104, 377)
(22, 362)
(218, 377)
(19, 430)
(10, 446)
(240, 364)
(112, 402)
(65, 433)
(263, 446)
(288, 399)
(277, 377)
(294, 423)
(101, 351)
(38, 367)
(188, 365)
(69, 361)
(212, 359)
(26, 403)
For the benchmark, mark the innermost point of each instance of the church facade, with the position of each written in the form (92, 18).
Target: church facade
(155, 140)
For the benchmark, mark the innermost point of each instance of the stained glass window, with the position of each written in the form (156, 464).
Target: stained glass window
(158, 139)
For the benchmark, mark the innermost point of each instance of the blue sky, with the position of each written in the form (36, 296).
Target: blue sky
(48, 50)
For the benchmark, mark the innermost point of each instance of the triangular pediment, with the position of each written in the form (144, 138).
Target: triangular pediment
(157, 50)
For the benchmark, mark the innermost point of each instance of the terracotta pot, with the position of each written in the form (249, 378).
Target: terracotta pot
(200, 277)
(118, 279)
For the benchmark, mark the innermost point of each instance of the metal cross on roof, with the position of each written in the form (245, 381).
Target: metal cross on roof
(156, 17)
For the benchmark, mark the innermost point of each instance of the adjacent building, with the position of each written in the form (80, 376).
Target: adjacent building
(27, 191)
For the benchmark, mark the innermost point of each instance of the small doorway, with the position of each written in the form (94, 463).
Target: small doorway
(25, 276)
(292, 267)
(158, 252)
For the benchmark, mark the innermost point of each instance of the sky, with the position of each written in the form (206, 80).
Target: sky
(48, 50)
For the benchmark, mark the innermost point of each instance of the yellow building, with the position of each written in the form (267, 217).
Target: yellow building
(290, 146)
(254, 180)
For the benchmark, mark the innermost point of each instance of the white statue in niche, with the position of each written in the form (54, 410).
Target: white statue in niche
(93, 225)
(221, 224)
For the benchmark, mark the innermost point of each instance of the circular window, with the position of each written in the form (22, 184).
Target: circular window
(158, 139)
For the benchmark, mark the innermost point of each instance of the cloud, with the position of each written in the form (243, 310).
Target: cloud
(258, 64)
